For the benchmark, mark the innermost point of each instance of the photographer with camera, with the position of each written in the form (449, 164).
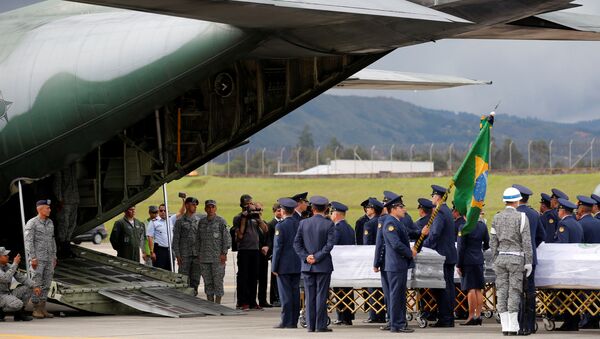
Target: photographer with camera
(248, 224)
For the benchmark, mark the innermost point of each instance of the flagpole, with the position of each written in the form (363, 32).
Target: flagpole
(419, 243)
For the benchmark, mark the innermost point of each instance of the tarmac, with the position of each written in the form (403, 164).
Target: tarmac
(70, 324)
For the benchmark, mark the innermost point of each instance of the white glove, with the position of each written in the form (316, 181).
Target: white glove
(528, 269)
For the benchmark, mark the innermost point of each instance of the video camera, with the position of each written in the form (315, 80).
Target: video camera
(252, 212)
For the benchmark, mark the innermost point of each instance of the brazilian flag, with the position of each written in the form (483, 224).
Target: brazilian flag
(471, 178)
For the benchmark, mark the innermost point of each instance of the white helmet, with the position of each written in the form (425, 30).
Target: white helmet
(511, 194)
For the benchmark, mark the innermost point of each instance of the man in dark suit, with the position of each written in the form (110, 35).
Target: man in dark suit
(344, 235)
(313, 243)
(441, 238)
(285, 264)
(266, 252)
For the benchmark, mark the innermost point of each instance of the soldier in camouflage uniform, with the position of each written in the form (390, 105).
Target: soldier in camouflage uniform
(512, 255)
(15, 300)
(185, 243)
(213, 243)
(41, 252)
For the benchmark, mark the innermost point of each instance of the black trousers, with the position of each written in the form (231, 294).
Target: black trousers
(263, 278)
(274, 290)
(247, 277)
(162, 257)
(527, 307)
(445, 297)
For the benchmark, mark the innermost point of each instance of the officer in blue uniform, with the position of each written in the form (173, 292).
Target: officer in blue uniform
(398, 259)
(459, 220)
(359, 226)
(591, 235)
(596, 207)
(441, 238)
(300, 211)
(375, 208)
(313, 244)
(568, 231)
(470, 248)
(344, 235)
(547, 218)
(556, 194)
(425, 207)
(406, 219)
(589, 224)
(538, 235)
(285, 264)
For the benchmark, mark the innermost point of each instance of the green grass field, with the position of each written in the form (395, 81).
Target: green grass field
(226, 191)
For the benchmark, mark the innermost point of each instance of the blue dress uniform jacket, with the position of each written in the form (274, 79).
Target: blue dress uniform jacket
(549, 222)
(441, 236)
(344, 234)
(421, 222)
(370, 231)
(359, 228)
(285, 260)
(458, 224)
(569, 231)
(316, 235)
(591, 229)
(409, 225)
(470, 247)
(398, 259)
(538, 233)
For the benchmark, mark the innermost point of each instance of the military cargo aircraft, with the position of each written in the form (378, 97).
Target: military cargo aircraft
(104, 101)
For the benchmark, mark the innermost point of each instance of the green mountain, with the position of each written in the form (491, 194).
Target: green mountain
(366, 121)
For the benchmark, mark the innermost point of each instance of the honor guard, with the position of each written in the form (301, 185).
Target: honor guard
(441, 238)
(556, 194)
(313, 244)
(547, 218)
(301, 209)
(459, 220)
(16, 299)
(185, 243)
(596, 207)
(569, 231)
(285, 264)
(406, 219)
(398, 259)
(589, 224)
(359, 226)
(374, 210)
(41, 251)
(511, 253)
(344, 235)
(425, 207)
(538, 235)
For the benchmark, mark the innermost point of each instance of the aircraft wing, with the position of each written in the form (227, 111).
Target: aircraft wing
(389, 80)
(282, 13)
(558, 25)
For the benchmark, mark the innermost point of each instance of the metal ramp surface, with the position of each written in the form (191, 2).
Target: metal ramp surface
(186, 301)
(147, 303)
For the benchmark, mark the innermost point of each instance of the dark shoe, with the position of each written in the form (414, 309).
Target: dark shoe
(348, 322)
(324, 330)
(22, 316)
(384, 328)
(265, 305)
(403, 330)
(479, 321)
(257, 307)
(279, 326)
(471, 322)
(439, 324)
(311, 330)
(512, 333)
(523, 332)
(244, 307)
(589, 325)
(505, 333)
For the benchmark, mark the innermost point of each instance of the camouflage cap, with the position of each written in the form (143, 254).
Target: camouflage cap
(4, 251)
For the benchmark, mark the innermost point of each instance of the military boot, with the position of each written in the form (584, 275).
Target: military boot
(210, 297)
(37, 311)
(217, 299)
(44, 312)
(22, 316)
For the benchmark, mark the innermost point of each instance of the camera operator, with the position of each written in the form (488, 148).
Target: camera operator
(248, 224)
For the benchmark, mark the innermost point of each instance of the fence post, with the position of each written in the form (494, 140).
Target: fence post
(246, 161)
(592, 153)
(570, 144)
(510, 155)
(529, 156)
(450, 148)
(550, 154)
(280, 160)
(431, 153)
(298, 159)
(372, 150)
(262, 161)
(410, 156)
(317, 157)
(228, 162)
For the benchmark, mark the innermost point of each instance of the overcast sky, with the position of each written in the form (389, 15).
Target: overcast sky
(549, 80)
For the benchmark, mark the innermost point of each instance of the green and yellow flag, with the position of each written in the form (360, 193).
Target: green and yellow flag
(471, 178)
